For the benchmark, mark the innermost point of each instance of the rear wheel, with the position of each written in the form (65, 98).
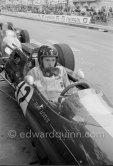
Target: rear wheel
(24, 36)
(66, 56)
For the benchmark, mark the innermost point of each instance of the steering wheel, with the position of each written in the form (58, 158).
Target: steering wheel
(80, 85)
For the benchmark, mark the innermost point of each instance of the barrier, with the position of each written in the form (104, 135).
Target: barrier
(62, 19)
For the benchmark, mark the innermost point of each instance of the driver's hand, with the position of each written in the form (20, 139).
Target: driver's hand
(79, 74)
(72, 91)
(38, 84)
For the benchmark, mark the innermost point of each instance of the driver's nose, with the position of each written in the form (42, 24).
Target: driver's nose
(50, 64)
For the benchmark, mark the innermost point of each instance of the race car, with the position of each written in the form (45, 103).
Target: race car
(11, 36)
(22, 35)
(78, 130)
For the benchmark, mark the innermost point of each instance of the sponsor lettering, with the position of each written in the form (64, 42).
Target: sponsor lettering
(44, 116)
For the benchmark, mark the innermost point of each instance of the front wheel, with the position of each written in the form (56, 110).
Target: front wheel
(24, 36)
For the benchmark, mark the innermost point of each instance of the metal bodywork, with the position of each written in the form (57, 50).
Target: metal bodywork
(68, 140)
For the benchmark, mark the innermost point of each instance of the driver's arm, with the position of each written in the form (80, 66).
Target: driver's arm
(67, 82)
(34, 73)
(65, 78)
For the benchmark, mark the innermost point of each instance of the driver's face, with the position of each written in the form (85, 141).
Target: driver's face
(49, 62)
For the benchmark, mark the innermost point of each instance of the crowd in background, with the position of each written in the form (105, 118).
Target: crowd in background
(99, 16)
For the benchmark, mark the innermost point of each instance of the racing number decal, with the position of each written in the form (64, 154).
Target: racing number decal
(27, 89)
(24, 94)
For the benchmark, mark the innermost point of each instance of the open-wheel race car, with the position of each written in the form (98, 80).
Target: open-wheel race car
(11, 35)
(22, 34)
(78, 130)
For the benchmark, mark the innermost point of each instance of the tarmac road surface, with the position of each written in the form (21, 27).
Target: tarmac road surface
(15, 137)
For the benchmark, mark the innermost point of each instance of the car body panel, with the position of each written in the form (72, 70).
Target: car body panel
(72, 140)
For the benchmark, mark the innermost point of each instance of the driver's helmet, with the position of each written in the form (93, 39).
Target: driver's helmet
(47, 51)
(10, 26)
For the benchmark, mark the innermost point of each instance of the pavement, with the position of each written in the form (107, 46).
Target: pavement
(15, 148)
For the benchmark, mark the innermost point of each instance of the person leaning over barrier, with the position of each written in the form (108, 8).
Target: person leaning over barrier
(49, 78)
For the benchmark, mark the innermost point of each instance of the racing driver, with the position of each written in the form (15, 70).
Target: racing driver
(49, 78)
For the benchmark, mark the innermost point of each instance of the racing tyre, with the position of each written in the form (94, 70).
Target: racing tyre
(24, 36)
(66, 56)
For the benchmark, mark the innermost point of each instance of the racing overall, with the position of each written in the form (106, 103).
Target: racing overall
(51, 87)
